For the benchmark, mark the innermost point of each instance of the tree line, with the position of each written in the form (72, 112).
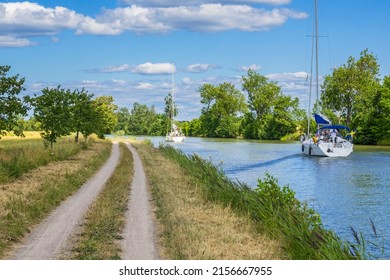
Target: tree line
(353, 95)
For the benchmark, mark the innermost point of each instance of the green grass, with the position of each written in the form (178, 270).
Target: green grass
(105, 219)
(274, 209)
(27, 201)
(19, 156)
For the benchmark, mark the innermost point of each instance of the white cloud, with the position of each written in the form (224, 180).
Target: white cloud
(149, 68)
(146, 86)
(199, 67)
(252, 67)
(171, 3)
(14, 42)
(26, 19)
(33, 19)
(218, 17)
(288, 76)
(116, 69)
(187, 81)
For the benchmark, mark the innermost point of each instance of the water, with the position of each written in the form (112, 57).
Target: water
(346, 192)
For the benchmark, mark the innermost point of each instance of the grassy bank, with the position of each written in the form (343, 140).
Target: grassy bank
(20, 155)
(273, 210)
(193, 227)
(26, 201)
(292, 230)
(99, 239)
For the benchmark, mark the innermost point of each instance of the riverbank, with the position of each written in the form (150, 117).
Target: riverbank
(269, 211)
(193, 227)
(200, 213)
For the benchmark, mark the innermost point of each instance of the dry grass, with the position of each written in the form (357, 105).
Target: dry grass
(26, 200)
(193, 228)
(100, 234)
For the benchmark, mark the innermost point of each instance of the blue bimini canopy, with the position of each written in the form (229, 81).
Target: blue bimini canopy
(321, 120)
(338, 127)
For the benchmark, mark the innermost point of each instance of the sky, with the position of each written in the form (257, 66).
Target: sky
(129, 48)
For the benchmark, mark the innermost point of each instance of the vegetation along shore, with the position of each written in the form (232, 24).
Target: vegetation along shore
(200, 214)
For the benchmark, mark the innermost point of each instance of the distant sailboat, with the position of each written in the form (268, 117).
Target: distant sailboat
(175, 135)
(328, 140)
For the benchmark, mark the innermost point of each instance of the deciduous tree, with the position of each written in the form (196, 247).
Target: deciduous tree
(11, 106)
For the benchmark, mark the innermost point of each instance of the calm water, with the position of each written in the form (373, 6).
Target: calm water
(345, 191)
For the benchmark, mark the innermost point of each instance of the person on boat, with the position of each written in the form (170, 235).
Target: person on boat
(333, 136)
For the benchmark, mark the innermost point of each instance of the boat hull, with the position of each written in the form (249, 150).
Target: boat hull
(326, 149)
(175, 139)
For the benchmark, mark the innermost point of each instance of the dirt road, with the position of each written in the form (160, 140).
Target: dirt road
(139, 235)
(49, 238)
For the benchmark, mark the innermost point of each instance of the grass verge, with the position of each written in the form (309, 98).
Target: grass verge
(271, 209)
(21, 155)
(26, 201)
(191, 226)
(106, 217)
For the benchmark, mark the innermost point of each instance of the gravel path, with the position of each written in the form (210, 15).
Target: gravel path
(139, 235)
(50, 237)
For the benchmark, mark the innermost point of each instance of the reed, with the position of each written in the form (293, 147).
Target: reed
(105, 219)
(192, 227)
(272, 208)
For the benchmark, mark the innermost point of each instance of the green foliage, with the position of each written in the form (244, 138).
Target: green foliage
(12, 108)
(272, 114)
(123, 116)
(357, 98)
(53, 110)
(222, 105)
(145, 121)
(84, 114)
(105, 115)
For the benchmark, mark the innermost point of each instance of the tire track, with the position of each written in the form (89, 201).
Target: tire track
(50, 237)
(139, 234)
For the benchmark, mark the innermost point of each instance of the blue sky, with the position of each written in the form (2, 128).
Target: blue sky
(128, 48)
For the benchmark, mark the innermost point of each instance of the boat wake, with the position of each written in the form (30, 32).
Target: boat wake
(260, 164)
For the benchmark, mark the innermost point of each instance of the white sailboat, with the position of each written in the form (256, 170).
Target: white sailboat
(175, 135)
(328, 140)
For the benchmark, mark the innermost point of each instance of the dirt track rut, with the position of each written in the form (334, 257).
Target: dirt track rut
(49, 238)
(139, 234)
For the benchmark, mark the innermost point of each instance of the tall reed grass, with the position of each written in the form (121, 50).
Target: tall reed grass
(274, 210)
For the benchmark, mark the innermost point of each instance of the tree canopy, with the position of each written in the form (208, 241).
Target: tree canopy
(11, 106)
(353, 94)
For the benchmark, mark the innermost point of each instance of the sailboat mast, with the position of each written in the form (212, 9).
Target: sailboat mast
(316, 41)
(173, 101)
(315, 47)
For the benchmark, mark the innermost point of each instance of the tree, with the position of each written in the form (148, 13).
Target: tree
(350, 88)
(170, 111)
(84, 114)
(123, 116)
(272, 114)
(11, 106)
(106, 118)
(53, 109)
(223, 106)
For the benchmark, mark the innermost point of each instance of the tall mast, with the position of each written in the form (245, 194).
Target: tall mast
(316, 41)
(173, 100)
